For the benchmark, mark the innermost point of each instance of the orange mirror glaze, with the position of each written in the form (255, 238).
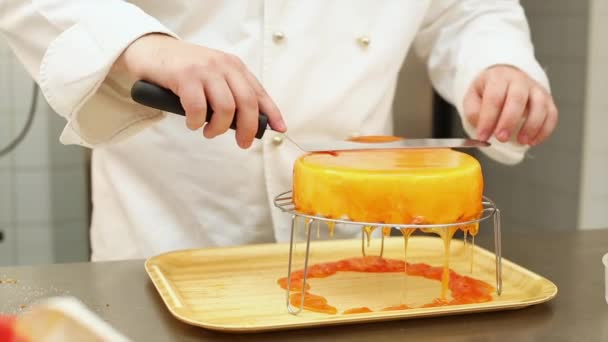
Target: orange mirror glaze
(464, 290)
(421, 186)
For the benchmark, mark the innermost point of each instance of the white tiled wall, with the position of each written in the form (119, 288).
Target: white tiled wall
(6, 105)
(6, 203)
(34, 243)
(594, 191)
(6, 215)
(43, 196)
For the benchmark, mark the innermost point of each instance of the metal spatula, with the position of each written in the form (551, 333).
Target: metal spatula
(157, 97)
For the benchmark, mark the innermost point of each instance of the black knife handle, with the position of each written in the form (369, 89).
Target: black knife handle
(154, 96)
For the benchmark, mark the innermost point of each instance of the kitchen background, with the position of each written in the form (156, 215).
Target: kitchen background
(44, 191)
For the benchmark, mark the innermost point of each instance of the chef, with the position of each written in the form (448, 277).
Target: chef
(318, 69)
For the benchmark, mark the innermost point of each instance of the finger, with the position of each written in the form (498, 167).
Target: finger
(548, 125)
(472, 106)
(247, 108)
(267, 105)
(513, 110)
(538, 113)
(492, 101)
(192, 98)
(222, 102)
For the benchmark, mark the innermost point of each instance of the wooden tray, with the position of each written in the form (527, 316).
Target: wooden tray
(235, 289)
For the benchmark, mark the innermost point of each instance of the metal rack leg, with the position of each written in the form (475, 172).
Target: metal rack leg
(498, 252)
(306, 255)
(308, 224)
(291, 248)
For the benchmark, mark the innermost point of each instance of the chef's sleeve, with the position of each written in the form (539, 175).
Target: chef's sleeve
(460, 38)
(69, 48)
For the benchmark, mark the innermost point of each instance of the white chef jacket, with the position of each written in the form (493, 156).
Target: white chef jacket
(331, 67)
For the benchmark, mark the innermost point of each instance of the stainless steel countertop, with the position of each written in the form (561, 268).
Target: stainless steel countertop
(121, 293)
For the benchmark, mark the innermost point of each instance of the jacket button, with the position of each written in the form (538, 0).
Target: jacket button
(278, 36)
(364, 41)
(277, 140)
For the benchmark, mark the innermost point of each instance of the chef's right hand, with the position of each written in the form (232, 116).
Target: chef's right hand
(199, 75)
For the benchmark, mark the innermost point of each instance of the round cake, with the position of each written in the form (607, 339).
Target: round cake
(405, 186)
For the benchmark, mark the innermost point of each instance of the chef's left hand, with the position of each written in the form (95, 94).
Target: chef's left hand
(501, 97)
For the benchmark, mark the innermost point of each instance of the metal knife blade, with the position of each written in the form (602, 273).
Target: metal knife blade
(327, 146)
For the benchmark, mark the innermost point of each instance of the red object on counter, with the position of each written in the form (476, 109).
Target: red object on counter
(8, 332)
(7, 328)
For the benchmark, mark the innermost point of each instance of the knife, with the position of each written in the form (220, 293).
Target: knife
(154, 96)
